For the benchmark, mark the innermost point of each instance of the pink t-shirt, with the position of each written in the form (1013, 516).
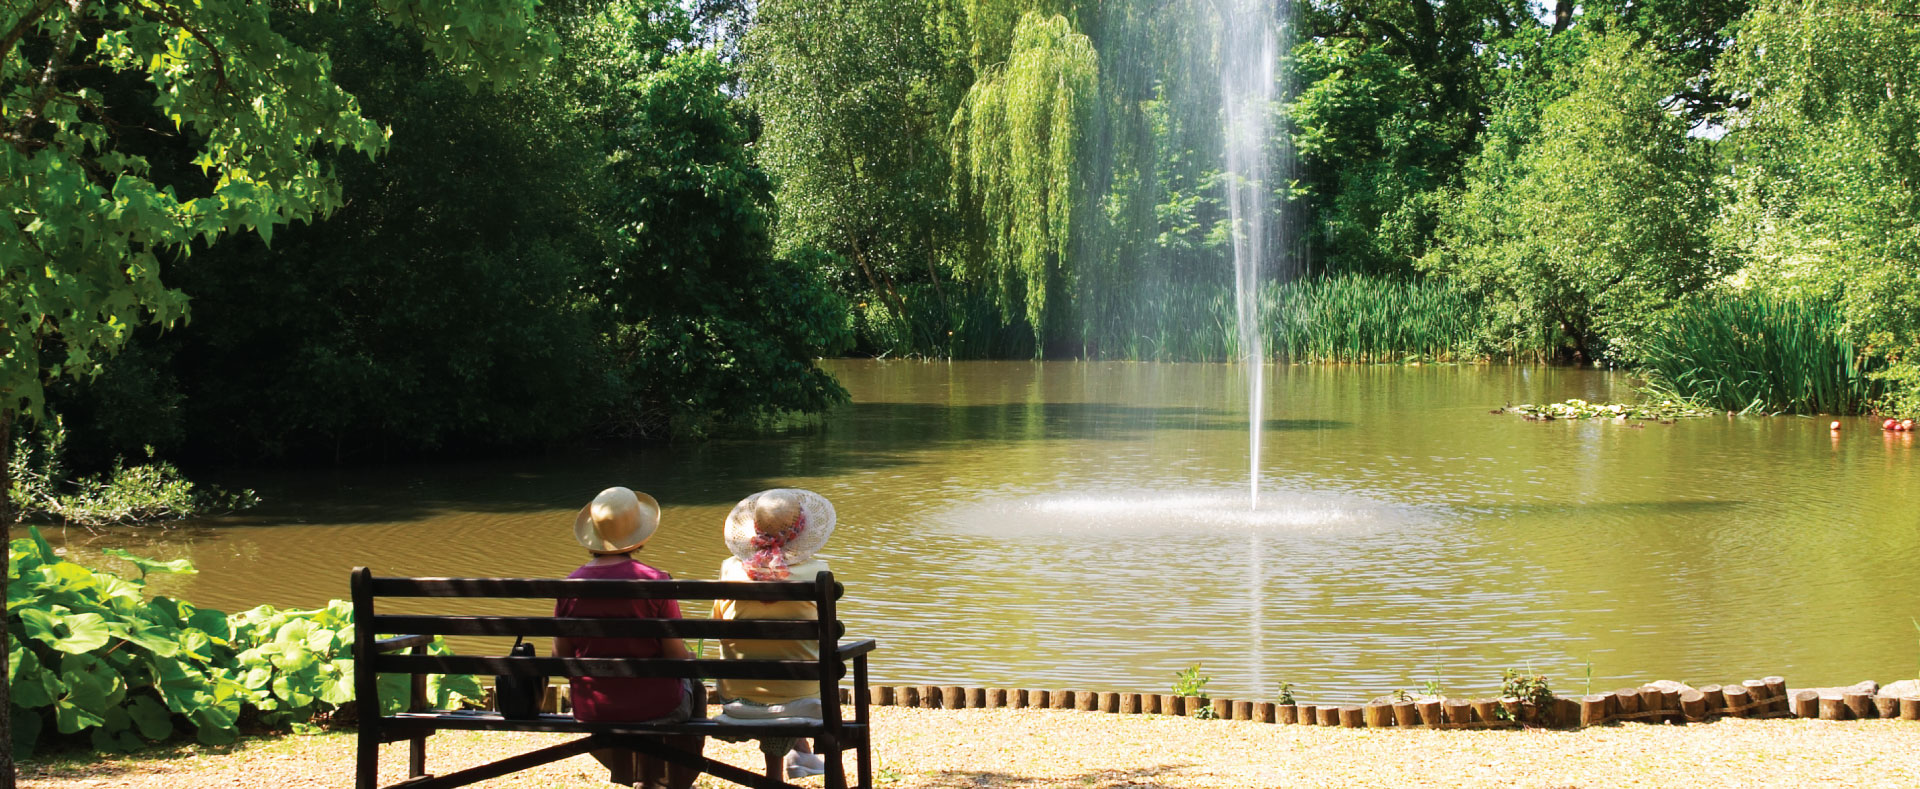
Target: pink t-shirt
(626, 699)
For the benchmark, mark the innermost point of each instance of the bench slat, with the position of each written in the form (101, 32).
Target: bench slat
(551, 588)
(603, 667)
(582, 627)
(407, 724)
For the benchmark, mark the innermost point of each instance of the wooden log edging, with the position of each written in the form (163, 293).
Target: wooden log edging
(1666, 703)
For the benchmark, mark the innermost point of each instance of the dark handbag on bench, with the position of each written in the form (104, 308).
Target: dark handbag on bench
(518, 696)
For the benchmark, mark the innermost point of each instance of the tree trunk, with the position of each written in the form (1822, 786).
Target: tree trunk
(1562, 15)
(6, 628)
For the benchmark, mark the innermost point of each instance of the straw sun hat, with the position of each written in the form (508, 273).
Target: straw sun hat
(617, 521)
(775, 528)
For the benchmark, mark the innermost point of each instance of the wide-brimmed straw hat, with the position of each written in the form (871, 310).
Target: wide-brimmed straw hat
(617, 521)
(775, 528)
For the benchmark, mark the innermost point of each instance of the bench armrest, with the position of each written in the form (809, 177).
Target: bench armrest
(397, 643)
(849, 649)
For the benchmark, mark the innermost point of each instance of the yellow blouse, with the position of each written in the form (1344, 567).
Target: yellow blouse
(768, 691)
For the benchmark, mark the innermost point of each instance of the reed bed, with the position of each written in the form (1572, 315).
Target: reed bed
(1754, 353)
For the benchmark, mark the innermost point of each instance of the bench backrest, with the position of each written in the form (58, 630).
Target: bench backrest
(371, 660)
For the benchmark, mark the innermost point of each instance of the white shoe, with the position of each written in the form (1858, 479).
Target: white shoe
(803, 765)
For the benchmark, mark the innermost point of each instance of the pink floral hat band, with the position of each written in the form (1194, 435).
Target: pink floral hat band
(769, 559)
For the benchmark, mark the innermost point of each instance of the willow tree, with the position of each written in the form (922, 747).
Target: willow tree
(1017, 143)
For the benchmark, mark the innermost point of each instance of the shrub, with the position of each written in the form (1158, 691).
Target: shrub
(91, 653)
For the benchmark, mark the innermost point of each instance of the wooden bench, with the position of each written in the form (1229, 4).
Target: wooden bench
(375, 656)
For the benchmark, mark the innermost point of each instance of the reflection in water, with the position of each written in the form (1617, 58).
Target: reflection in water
(1084, 525)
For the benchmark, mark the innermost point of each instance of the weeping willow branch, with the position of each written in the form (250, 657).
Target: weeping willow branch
(1017, 141)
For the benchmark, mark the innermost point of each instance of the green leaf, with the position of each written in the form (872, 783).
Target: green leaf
(70, 718)
(85, 633)
(31, 684)
(26, 732)
(151, 717)
(181, 566)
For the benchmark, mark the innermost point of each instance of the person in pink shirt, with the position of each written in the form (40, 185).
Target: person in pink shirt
(617, 523)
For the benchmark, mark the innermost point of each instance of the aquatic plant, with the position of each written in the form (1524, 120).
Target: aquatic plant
(1665, 410)
(140, 493)
(1286, 693)
(1755, 353)
(91, 653)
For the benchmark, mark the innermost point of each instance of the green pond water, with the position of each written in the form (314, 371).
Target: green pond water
(1086, 525)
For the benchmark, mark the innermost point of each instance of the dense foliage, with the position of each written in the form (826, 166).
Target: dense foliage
(93, 656)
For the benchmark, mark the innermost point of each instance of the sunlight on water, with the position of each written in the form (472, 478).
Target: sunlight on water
(1176, 514)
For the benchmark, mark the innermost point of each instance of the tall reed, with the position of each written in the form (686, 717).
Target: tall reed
(1368, 319)
(1754, 353)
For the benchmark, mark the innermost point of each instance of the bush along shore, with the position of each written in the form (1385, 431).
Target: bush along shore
(94, 660)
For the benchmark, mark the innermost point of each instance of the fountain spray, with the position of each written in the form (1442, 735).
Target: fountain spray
(1247, 63)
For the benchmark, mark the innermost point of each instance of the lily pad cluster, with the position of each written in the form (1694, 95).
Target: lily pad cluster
(1664, 410)
(92, 654)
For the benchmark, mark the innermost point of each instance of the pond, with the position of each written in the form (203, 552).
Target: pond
(1086, 525)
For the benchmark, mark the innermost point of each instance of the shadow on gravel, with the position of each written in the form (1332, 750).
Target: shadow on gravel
(1164, 776)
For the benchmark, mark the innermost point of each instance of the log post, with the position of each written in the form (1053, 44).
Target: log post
(1626, 702)
(1776, 694)
(1173, 705)
(953, 697)
(1329, 716)
(1222, 708)
(1887, 707)
(883, 695)
(930, 696)
(1833, 708)
(1487, 711)
(1243, 710)
(1039, 699)
(907, 695)
(1653, 704)
(1670, 704)
(976, 698)
(1430, 713)
(1716, 700)
(1110, 702)
(1130, 704)
(1266, 711)
(1459, 713)
(1737, 701)
(1593, 708)
(1806, 704)
(1018, 698)
(1379, 716)
(1859, 705)
(1287, 713)
(1910, 708)
(1406, 714)
(1352, 716)
(1062, 699)
(1566, 712)
(1757, 698)
(1693, 705)
(1150, 703)
(1192, 704)
(996, 698)
(1086, 701)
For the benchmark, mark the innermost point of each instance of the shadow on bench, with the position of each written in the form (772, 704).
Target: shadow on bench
(374, 656)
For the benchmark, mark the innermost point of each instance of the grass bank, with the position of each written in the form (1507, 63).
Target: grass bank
(921, 749)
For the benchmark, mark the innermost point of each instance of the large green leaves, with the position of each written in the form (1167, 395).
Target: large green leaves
(94, 656)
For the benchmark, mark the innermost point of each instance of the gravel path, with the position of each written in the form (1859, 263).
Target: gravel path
(1060, 748)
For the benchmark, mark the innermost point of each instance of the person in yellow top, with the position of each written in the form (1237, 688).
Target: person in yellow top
(774, 535)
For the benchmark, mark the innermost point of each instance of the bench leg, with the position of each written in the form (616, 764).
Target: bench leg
(829, 749)
(417, 756)
(366, 757)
